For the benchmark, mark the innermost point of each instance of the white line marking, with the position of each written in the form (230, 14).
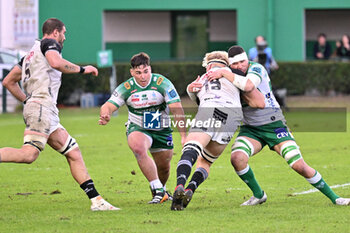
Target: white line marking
(315, 190)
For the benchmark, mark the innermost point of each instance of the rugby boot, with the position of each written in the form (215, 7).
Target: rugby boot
(179, 194)
(255, 201)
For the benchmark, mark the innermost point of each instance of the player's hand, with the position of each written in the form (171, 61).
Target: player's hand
(104, 119)
(90, 70)
(195, 86)
(211, 75)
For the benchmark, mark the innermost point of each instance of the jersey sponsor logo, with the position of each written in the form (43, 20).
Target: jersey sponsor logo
(281, 132)
(154, 96)
(169, 140)
(144, 97)
(256, 69)
(52, 46)
(30, 55)
(220, 115)
(133, 91)
(127, 85)
(172, 93)
(152, 120)
(144, 104)
(160, 80)
(154, 88)
(135, 98)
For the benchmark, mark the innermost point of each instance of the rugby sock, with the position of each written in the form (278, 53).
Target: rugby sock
(156, 184)
(198, 177)
(318, 182)
(247, 175)
(184, 166)
(183, 171)
(89, 188)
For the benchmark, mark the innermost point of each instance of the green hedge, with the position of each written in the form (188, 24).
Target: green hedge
(297, 77)
(300, 77)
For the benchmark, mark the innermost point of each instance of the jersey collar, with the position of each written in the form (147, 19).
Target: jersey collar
(150, 80)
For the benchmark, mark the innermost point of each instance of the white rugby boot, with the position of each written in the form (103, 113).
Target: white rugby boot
(100, 204)
(255, 201)
(342, 201)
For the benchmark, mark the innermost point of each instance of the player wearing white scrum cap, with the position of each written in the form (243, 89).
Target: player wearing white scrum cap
(218, 100)
(265, 126)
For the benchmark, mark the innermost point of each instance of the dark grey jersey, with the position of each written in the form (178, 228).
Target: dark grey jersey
(272, 111)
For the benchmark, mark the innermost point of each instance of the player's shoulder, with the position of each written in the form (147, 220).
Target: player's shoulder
(126, 85)
(49, 44)
(256, 68)
(160, 80)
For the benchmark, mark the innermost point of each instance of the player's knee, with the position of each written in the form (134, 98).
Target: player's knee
(241, 147)
(29, 154)
(291, 153)
(238, 159)
(191, 151)
(68, 146)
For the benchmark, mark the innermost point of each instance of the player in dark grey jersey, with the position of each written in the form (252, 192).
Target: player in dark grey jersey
(266, 126)
(40, 73)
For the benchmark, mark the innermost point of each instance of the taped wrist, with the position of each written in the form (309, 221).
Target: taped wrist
(240, 82)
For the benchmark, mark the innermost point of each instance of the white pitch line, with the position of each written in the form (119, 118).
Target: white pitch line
(315, 190)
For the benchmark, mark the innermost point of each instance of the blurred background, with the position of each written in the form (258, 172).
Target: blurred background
(308, 40)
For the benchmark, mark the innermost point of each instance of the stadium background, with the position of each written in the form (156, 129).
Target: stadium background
(160, 27)
(43, 197)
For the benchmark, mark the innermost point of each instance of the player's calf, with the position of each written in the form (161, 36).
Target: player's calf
(190, 153)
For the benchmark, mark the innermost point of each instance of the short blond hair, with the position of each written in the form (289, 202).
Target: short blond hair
(215, 56)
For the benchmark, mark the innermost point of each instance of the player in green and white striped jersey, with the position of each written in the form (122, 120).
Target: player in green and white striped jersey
(149, 97)
(266, 127)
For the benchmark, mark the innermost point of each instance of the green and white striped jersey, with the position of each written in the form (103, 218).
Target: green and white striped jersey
(272, 111)
(155, 96)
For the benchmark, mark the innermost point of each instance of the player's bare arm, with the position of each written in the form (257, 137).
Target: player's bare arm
(105, 113)
(67, 67)
(179, 116)
(254, 99)
(241, 82)
(11, 83)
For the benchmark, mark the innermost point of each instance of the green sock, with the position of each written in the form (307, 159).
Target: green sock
(247, 175)
(318, 182)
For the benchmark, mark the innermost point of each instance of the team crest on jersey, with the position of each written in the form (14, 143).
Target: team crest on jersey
(172, 93)
(256, 69)
(160, 80)
(127, 85)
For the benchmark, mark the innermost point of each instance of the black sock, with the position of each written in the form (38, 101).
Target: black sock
(184, 166)
(89, 188)
(183, 171)
(198, 177)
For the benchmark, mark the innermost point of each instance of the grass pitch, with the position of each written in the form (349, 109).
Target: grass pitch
(43, 197)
